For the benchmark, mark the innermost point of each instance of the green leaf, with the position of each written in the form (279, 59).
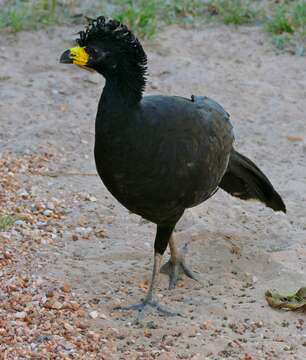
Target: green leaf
(6, 221)
(296, 301)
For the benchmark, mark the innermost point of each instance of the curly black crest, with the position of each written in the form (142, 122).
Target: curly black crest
(113, 30)
(116, 37)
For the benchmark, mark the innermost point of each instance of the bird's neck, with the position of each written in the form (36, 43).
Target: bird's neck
(118, 102)
(122, 91)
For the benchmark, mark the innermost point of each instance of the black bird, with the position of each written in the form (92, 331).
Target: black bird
(159, 155)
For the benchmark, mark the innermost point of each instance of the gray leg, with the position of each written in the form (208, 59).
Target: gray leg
(151, 299)
(163, 235)
(176, 265)
(151, 296)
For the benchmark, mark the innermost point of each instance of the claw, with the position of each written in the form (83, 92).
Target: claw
(176, 266)
(145, 305)
(151, 300)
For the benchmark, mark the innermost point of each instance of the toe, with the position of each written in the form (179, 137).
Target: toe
(166, 268)
(189, 273)
(145, 306)
(174, 270)
(172, 282)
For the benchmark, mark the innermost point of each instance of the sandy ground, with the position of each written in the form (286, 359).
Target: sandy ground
(239, 249)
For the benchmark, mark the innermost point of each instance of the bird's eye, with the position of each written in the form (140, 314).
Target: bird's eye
(91, 51)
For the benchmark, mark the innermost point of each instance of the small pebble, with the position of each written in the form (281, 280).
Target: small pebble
(47, 212)
(94, 314)
(83, 231)
(19, 222)
(50, 205)
(20, 315)
(22, 192)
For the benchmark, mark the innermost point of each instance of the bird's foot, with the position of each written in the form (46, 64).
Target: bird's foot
(147, 304)
(175, 267)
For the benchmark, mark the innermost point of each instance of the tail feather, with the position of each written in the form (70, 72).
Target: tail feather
(245, 180)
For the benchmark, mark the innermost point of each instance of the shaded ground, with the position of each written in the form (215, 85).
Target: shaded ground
(104, 254)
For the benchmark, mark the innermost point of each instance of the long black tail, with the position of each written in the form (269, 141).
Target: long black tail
(245, 180)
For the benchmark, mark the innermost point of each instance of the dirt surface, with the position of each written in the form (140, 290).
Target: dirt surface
(240, 249)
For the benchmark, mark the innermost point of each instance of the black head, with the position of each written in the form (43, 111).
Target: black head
(108, 47)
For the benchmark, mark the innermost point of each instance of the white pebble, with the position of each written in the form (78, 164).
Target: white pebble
(94, 314)
(22, 192)
(47, 212)
(19, 222)
(20, 315)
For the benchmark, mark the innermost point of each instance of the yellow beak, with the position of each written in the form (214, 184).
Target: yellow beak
(76, 55)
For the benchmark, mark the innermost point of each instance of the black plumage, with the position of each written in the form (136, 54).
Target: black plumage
(245, 180)
(159, 155)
